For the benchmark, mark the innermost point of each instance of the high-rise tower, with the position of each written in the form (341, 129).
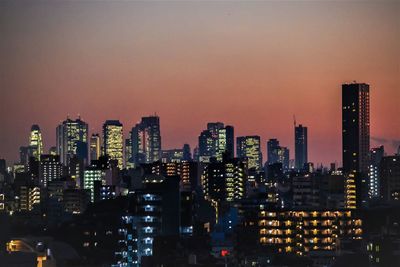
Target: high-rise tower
(249, 147)
(146, 140)
(355, 126)
(113, 141)
(355, 141)
(35, 141)
(72, 137)
(301, 146)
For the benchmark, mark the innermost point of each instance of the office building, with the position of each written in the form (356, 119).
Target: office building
(225, 143)
(72, 137)
(95, 147)
(129, 162)
(50, 169)
(300, 146)
(206, 146)
(113, 141)
(216, 142)
(146, 140)
(277, 154)
(35, 141)
(249, 147)
(91, 175)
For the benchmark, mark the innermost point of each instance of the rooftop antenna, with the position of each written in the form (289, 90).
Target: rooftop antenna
(294, 120)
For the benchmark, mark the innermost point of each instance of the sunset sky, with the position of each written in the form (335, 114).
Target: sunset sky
(248, 64)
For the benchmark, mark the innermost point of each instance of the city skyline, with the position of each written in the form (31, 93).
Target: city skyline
(200, 133)
(233, 69)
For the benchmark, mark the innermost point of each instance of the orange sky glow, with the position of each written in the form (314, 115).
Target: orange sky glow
(248, 64)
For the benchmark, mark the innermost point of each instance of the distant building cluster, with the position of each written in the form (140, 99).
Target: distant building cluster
(125, 201)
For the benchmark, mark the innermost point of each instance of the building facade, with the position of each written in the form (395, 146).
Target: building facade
(356, 138)
(301, 146)
(72, 136)
(249, 147)
(113, 141)
(146, 140)
(35, 141)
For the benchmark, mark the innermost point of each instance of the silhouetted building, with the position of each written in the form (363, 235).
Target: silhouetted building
(300, 146)
(75, 201)
(103, 192)
(355, 139)
(272, 146)
(25, 153)
(225, 181)
(390, 178)
(157, 206)
(376, 155)
(187, 154)
(76, 168)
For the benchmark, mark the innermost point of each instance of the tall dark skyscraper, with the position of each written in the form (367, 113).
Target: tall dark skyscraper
(300, 146)
(272, 145)
(355, 141)
(355, 126)
(187, 154)
(146, 140)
